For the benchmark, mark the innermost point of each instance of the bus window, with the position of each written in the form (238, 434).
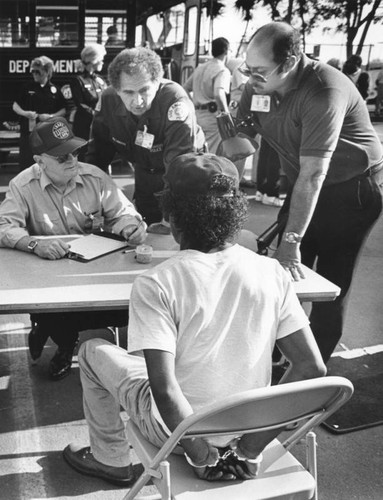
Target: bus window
(105, 25)
(56, 26)
(14, 23)
(191, 32)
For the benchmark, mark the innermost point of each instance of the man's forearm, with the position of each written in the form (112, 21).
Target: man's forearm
(303, 202)
(220, 99)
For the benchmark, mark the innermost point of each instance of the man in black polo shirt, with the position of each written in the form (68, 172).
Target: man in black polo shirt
(314, 116)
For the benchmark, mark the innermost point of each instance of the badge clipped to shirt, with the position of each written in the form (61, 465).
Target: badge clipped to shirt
(144, 139)
(260, 103)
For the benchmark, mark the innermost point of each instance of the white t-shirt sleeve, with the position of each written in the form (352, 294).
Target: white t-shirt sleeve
(292, 315)
(151, 325)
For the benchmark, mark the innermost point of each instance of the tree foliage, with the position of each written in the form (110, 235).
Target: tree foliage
(353, 17)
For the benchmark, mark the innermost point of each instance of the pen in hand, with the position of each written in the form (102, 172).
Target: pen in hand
(127, 239)
(134, 230)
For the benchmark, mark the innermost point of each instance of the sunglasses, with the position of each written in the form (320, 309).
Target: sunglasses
(250, 72)
(67, 157)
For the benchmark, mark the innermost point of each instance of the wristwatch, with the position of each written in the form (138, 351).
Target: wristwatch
(32, 245)
(291, 237)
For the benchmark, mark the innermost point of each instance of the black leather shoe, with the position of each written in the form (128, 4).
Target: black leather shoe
(60, 364)
(36, 341)
(83, 461)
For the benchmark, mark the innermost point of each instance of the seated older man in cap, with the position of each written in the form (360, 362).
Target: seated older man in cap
(204, 324)
(55, 196)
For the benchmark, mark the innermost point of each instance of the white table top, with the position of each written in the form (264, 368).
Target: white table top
(31, 284)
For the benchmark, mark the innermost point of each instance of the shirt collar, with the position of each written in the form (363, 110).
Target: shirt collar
(45, 180)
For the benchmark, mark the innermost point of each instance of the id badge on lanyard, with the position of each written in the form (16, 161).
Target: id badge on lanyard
(260, 103)
(144, 139)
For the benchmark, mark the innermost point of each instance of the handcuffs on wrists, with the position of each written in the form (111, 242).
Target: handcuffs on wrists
(233, 448)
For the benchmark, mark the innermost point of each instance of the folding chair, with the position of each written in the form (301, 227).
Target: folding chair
(281, 475)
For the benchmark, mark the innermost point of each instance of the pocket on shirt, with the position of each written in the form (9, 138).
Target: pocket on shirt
(47, 223)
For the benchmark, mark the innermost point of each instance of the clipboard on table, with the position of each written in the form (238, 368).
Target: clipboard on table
(95, 245)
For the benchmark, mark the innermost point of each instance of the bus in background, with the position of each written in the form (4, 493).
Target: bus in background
(59, 29)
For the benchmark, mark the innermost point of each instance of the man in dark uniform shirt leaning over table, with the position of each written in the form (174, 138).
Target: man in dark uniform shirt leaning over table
(59, 195)
(148, 120)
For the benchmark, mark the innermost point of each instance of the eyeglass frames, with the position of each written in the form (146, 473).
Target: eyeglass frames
(36, 71)
(67, 157)
(245, 70)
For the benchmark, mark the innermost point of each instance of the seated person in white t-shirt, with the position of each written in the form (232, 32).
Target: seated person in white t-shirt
(203, 325)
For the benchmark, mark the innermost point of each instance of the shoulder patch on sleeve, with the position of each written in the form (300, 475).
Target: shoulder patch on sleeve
(66, 91)
(178, 112)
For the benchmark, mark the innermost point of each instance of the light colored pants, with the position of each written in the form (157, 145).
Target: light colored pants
(208, 122)
(112, 378)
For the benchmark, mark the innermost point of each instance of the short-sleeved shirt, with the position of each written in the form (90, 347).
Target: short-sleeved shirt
(219, 314)
(34, 207)
(86, 90)
(322, 115)
(42, 99)
(206, 79)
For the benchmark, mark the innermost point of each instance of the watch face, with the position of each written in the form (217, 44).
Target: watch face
(292, 237)
(32, 245)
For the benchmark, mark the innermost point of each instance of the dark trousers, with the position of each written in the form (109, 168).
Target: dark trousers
(146, 185)
(268, 170)
(64, 328)
(342, 220)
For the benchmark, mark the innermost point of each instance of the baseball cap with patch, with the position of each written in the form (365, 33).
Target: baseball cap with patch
(193, 174)
(54, 137)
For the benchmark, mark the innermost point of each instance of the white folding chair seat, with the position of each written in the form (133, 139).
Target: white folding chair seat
(281, 475)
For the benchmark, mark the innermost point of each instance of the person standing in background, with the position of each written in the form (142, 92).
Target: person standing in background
(37, 102)
(238, 81)
(113, 38)
(353, 69)
(86, 89)
(209, 87)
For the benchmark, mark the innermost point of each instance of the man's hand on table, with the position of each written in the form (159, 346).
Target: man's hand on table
(289, 257)
(51, 249)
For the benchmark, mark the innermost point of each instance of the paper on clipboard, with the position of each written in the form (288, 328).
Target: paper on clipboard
(91, 246)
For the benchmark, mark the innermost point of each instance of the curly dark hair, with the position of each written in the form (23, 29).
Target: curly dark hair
(208, 221)
(134, 61)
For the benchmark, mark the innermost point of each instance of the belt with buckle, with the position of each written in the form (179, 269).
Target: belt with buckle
(211, 106)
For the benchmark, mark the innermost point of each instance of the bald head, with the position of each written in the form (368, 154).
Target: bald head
(281, 38)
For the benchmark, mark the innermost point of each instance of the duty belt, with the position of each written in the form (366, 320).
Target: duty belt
(211, 106)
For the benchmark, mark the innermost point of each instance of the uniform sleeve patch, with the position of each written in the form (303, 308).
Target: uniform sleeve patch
(178, 112)
(66, 91)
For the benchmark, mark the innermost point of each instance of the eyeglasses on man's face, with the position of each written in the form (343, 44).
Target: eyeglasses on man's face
(256, 75)
(36, 72)
(67, 157)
